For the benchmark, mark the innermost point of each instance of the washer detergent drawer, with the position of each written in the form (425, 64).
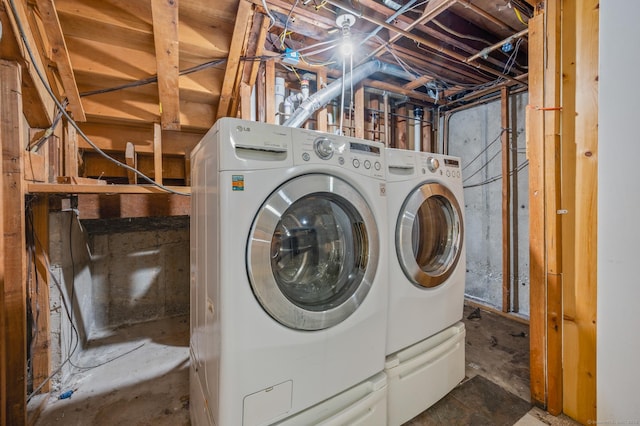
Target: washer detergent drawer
(267, 404)
(422, 374)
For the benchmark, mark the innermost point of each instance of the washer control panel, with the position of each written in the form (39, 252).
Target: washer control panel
(440, 165)
(361, 156)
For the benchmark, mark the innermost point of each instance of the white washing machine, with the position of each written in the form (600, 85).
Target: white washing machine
(288, 283)
(425, 340)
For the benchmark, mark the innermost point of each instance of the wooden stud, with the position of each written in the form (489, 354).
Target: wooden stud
(580, 325)
(131, 161)
(552, 189)
(401, 139)
(270, 93)
(165, 35)
(157, 153)
(41, 357)
(187, 169)
(14, 293)
(537, 263)
(238, 44)
(60, 55)
(506, 198)
(70, 153)
(262, 25)
(3, 306)
(245, 101)
(515, 244)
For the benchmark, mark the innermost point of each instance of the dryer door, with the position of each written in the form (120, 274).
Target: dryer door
(313, 252)
(429, 235)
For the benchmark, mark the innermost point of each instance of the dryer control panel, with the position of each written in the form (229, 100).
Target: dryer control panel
(440, 165)
(361, 156)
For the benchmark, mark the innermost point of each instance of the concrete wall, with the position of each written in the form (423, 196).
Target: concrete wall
(116, 272)
(474, 135)
(618, 344)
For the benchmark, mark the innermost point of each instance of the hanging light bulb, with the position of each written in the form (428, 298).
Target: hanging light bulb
(344, 22)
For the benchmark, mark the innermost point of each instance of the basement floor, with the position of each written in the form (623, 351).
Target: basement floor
(140, 377)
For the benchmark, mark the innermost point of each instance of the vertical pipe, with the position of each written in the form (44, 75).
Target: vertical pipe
(385, 98)
(418, 113)
(279, 98)
(515, 295)
(506, 197)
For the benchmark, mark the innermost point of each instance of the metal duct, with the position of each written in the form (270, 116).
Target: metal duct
(323, 97)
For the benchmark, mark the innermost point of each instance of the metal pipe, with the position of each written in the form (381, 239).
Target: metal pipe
(323, 97)
(385, 98)
(484, 52)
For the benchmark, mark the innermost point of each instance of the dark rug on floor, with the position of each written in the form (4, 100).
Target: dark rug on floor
(478, 401)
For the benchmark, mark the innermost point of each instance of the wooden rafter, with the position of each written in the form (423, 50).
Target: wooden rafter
(60, 56)
(38, 103)
(238, 45)
(165, 36)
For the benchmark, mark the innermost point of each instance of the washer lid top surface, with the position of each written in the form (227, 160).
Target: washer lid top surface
(312, 252)
(429, 235)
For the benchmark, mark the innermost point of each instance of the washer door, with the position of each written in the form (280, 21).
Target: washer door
(429, 235)
(312, 252)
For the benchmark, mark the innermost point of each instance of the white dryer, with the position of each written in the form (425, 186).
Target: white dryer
(288, 285)
(425, 341)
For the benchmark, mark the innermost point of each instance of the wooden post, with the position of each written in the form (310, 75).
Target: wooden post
(535, 155)
(157, 153)
(580, 315)
(552, 188)
(14, 309)
(132, 161)
(41, 357)
(506, 198)
(245, 101)
(70, 153)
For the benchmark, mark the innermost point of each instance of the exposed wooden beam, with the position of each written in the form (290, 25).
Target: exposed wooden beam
(238, 46)
(270, 93)
(431, 10)
(70, 153)
(14, 309)
(358, 115)
(256, 47)
(165, 36)
(412, 85)
(60, 55)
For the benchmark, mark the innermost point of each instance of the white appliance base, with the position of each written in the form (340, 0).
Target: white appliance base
(363, 405)
(423, 373)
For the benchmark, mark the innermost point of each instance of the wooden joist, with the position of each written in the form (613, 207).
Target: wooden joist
(60, 55)
(165, 35)
(54, 188)
(14, 310)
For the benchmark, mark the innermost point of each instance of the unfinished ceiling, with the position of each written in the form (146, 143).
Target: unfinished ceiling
(182, 62)
(154, 75)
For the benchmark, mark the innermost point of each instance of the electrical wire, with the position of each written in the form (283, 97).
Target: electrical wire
(484, 166)
(485, 149)
(69, 118)
(69, 312)
(498, 177)
(268, 12)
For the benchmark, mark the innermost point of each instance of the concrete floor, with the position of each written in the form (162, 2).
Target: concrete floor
(141, 374)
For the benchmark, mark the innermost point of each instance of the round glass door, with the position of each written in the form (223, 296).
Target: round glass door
(312, 252)
(429, 235)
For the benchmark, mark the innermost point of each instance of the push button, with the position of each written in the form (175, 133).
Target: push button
(356, 163)
(367, 164)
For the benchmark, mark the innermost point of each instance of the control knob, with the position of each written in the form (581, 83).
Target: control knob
(432, 164)
(323, 148)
